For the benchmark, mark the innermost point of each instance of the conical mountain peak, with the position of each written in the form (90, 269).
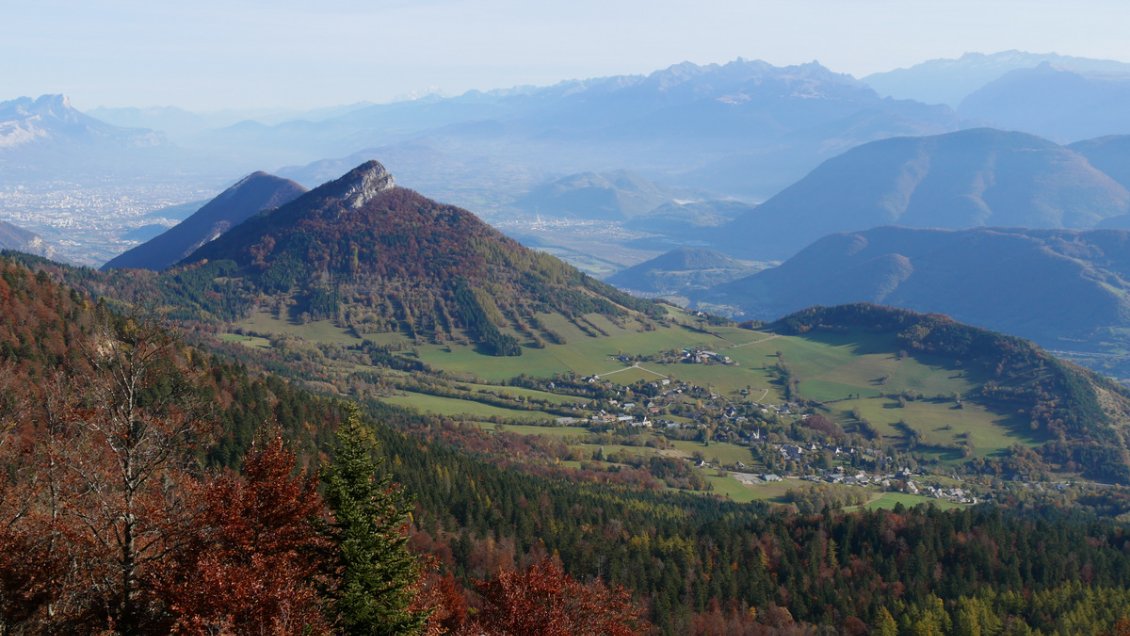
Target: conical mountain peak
(252, 194)
(376, 257)
(360, 185)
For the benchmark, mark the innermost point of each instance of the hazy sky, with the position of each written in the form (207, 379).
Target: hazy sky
(213, 54)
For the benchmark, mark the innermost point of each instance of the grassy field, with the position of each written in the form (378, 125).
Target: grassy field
(849, 372)
(564, 432)
(734, 490)
(436, 405)
(581, 354)
(939, 424)
(254, 342)
(773, 492)
(522, 392)
(888, 500)
(318, 331)
(723, 379)
(723, 452)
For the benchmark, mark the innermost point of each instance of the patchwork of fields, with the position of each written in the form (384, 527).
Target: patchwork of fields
(859, 380)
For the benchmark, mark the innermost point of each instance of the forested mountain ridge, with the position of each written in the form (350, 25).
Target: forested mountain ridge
(1065, 289)
(378, 258)
(254, 193)
(1083, 415)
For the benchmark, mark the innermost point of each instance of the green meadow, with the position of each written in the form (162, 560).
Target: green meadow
(451, 407)
(853, 375)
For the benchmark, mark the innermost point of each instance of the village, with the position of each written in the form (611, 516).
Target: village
(786, 441)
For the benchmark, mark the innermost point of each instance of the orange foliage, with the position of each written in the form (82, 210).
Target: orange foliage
(545, 600)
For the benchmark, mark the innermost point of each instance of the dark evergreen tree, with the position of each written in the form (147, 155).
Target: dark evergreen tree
(379, 576)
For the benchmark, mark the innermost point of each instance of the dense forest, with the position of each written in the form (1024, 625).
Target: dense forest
(150, 486)
(146, 487)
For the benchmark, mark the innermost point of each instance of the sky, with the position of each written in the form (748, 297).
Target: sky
(208, 55)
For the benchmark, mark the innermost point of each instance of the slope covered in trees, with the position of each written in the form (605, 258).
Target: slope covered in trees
(378, 258)
(1083, 413)
(121, 510)
(255, 550)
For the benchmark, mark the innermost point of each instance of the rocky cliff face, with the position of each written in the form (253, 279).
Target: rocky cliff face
(361, 185)
(21, 240)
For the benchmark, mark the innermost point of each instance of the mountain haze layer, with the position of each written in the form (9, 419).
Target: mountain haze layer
(971, 178)
(680, 271)
(949, 81)
(1111, 154)
(745, 127)
(1064, 289)
(615, 195)
(46, 138)
(1054, 102)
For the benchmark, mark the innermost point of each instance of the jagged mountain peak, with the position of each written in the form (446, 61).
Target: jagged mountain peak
(378, 258)
(49, 122)
(360, 185)
(56, 105)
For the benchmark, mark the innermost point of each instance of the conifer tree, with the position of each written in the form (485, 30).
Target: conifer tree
(379, 576)
(885, 624)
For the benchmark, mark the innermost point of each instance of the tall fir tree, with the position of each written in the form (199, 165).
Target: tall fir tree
(379, 576)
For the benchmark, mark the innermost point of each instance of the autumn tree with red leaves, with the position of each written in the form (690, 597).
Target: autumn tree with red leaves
(259, 559)
(101, 451)
(544, 600)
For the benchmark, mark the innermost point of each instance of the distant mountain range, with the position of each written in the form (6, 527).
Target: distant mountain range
(1054, 102)
(183, 125)
(949, 81)
(971, 178)
(50, 119)
(681, 271)
(745, 127)
(729, 134)
(46, 137)
(615, 195)
(1064, 289)
(252, 194)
